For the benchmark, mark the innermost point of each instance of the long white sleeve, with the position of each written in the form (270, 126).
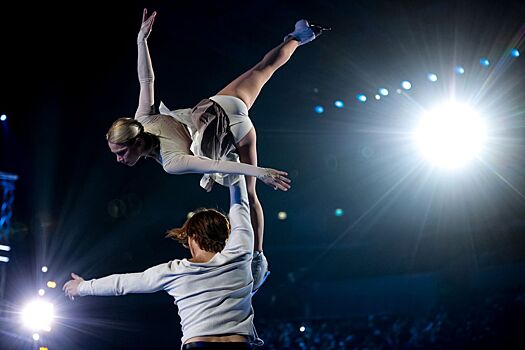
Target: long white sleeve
(152, 280)
(181, 164)
(241, 236)
(146, 79)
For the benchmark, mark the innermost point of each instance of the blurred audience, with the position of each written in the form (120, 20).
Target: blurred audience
(483, 322)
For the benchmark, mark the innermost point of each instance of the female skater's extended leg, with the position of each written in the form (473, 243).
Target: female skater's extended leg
(248, 85)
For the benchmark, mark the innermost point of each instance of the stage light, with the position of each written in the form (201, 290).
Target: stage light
(432, 77)
(459, 70)
(484, 62)
(361, 97)
(377, 97)
(44, 269)
(515, 52)
(4, 259)
(302, 329)
(36, 336)
(339, 104)
(38, 315)
(41, 292)
(319, 109)
(450, 135)
(51, 284)
(383, 91)
(339, 212)
(3, 117)
(406, 85)
(282, 215)
(5, 248)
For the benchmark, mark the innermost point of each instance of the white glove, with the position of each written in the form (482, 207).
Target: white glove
(147, 25)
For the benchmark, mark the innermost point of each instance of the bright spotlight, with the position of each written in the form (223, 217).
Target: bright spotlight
(41, 292)
(339, 104)
(484, 62)
(51, 284)
(36, 336)
(3, 117)
(383, 92)
(44, 269)
(282, 215)
(302, 329)
(377, 97)
(459, 70)
(38, 315)
(450, 135)
(361, 97)
(5, 248)
(515, 52)
(432, 77)
(319, 109)
(406, 85)
(339, 212)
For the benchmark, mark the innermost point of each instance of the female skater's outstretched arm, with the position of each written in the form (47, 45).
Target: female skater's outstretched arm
(185, 164)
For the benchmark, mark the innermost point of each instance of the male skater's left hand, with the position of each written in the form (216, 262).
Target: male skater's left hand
(71, 287)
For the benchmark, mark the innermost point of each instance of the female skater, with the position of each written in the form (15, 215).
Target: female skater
(211, 137)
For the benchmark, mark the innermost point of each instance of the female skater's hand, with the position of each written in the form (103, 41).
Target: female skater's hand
(71, 287)
(147, 24)
(276, 179)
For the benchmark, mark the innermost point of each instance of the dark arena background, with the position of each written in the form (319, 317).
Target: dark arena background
(392, 235)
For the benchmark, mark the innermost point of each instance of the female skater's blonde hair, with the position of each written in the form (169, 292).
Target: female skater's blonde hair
(124, 130)
(208, 227)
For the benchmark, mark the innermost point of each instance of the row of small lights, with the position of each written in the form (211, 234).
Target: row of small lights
(407, 85)
(382, 92)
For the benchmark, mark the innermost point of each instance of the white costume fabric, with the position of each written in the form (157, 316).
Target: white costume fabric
(177, 149)
(239, 124)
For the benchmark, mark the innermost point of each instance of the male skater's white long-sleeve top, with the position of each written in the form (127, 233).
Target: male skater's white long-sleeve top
(213, 298)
